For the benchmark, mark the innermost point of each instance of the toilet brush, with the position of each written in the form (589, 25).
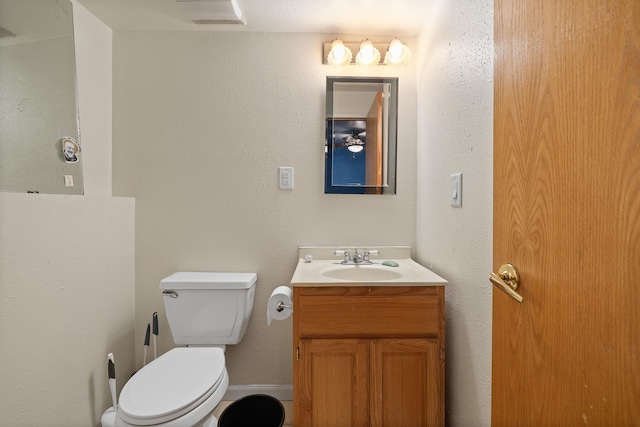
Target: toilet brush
(112, 380)
(146, 343)
(155, 335)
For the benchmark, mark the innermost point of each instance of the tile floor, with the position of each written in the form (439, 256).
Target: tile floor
(288, 411)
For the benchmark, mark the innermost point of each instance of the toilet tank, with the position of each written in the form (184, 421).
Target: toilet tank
(208, 308)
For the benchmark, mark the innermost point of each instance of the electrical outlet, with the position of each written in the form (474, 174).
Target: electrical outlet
(285, 178)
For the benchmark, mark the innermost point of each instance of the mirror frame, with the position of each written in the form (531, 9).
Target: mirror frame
(389, 162)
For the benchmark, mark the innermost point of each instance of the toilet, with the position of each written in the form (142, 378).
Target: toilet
(181, 388)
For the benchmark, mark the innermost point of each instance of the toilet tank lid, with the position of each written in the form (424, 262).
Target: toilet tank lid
(208, 280)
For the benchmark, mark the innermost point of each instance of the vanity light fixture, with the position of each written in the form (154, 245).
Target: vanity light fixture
(339, 53)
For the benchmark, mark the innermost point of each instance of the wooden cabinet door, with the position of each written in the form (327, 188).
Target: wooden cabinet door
(333, 383)
(407, 383)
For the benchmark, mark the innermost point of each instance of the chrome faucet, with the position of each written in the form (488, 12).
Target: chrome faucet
(358, 258)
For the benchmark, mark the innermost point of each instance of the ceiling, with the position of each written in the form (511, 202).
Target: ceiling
(367, 17)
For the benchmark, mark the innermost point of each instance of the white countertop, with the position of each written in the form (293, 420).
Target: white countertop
(326, 269)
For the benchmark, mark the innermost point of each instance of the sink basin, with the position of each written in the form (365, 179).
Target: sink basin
(362, 273)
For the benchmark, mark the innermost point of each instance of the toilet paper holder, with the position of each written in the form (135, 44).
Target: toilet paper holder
(280, 306)
(280, 299)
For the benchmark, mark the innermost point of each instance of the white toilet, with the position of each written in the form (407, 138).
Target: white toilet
(182, 387)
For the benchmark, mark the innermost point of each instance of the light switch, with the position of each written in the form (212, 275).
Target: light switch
(456, 190)
(68, 180)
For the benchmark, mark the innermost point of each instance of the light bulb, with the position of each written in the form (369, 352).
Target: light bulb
(339, 54)
(395, 48)
(397, 54)
(337, 47)
(368, 54)
(367, 50)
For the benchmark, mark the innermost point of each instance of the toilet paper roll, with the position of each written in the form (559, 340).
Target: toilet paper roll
(281, 294)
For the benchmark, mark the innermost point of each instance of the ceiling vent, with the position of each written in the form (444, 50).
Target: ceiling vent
(212, 11)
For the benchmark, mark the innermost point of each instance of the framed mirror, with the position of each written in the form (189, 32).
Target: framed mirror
(361, 135)
(40, 147)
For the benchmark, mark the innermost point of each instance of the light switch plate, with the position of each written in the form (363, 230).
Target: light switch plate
(456, 190)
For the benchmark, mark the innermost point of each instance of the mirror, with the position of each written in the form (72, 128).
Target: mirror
(361, 133)
(40, 148)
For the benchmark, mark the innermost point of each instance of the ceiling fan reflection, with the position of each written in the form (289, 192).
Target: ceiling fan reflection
(354, 141)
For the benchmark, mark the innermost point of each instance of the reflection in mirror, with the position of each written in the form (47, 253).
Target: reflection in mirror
(361, 132)
(40, 148)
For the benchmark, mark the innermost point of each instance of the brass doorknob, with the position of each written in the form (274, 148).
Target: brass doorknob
(507, 280)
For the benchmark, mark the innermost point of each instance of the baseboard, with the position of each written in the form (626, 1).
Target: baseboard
(280, 392)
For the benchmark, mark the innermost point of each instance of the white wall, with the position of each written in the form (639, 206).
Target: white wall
(66, 300)
(67, 281)
(202, 121)
(455, 122)
(93, 42)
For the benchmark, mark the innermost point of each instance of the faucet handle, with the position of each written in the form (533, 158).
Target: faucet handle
(370, 252)
(341, 253)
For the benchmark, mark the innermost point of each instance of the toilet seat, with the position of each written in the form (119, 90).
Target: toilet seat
(173, 385)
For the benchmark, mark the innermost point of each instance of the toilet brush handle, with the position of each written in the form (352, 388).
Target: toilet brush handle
(111, 370)
(146, 343)
(155, 335)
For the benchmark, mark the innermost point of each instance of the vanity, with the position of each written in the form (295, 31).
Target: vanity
(368, 340)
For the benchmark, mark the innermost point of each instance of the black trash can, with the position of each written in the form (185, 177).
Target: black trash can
(256, 410)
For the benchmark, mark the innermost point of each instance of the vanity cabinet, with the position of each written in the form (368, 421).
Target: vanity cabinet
(368, 356)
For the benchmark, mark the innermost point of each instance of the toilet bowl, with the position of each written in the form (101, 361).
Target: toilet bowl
(179, 389)
(182, 388)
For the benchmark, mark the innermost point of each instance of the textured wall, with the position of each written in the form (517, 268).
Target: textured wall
(455, 122)
(67, 277)
(66, 300)
(93, 44)
(202, 121)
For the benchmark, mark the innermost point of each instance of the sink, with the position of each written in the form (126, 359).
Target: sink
(361, 273)
(319, 266)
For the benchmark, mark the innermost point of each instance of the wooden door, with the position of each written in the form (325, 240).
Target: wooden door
(567, 212)
(407, 383)
(334, 389)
